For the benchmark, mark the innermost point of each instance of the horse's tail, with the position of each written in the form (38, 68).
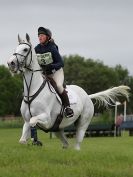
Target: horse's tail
(110, 96)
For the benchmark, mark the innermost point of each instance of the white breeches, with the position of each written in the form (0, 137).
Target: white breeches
(58, 77)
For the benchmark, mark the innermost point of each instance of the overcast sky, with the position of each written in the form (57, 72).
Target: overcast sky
(98, 29)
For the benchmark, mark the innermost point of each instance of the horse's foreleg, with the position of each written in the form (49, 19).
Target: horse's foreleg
(25, 133)
(43, 119)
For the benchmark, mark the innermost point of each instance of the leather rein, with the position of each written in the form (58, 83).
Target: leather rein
(28, 99)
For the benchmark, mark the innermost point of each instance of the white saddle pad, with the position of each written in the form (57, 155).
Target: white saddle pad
(71, 95)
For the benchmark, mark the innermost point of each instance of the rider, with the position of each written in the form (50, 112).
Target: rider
(55, 69)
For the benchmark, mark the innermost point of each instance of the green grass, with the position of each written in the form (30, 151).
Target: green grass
(99, 157)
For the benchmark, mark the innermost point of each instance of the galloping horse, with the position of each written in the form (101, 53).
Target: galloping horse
(40, 105)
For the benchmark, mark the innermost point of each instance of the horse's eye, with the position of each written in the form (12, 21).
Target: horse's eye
(25, 50)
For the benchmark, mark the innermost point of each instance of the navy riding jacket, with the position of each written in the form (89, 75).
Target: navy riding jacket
(57, 59)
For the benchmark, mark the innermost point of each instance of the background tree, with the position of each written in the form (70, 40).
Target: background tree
(10, 88)
(92, 76)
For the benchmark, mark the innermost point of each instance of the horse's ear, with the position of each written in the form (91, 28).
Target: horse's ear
(28, 38)
(19, 39)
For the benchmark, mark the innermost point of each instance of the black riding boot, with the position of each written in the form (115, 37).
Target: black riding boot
(65, 101)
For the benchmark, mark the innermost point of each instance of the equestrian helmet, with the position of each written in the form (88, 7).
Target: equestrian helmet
(46, 31)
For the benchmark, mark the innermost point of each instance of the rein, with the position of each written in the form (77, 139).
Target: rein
(29, 98)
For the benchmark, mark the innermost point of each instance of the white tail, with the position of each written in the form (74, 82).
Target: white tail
(110, 96)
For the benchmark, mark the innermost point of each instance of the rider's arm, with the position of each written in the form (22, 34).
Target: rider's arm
(57, 59)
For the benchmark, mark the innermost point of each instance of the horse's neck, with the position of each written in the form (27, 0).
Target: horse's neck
(32, 79)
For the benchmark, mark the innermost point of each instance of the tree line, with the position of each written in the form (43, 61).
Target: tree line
(93, 76)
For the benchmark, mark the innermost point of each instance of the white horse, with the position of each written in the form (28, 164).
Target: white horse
(45, 107)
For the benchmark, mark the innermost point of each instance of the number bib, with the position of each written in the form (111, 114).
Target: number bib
(45, 58)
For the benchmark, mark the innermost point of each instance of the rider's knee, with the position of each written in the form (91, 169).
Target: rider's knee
(60, 88)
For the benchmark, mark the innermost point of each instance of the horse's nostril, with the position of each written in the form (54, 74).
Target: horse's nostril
(12, 63)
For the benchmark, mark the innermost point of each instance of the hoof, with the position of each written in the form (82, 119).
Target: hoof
(77, 148)
(37, 143)
(22, 142)
(32, 122)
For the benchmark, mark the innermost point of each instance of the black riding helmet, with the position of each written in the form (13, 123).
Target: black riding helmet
(46, 31)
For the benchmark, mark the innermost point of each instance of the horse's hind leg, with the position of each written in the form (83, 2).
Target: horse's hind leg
(79, 137)
(83, 123)
(63, 138)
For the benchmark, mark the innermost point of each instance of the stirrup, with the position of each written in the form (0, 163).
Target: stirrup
(67, 113)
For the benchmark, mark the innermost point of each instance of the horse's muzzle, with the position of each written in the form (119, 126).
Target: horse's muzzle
(12, 66)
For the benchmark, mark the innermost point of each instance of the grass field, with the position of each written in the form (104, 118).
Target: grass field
(99, 157)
